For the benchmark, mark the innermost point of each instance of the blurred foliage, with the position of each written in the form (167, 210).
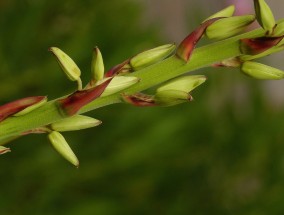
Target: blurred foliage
(221, 154)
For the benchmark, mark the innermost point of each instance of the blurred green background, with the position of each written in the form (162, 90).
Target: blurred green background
(221, 154)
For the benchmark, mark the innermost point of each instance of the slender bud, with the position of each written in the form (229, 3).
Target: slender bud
(187, 46)
(4, 150)
(226, 12)
(254, 46)
(261, 71)
(151, 56)
(14, 107)
(119, 83)
(97, 67)
(77, 122)
(228, 27)
(68, 66)
(32, 107)
(264, 15)
(172, 97)
(61, 146)
(139, 100)
(184, 83)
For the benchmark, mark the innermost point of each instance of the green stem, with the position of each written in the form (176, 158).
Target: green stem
(150, 76)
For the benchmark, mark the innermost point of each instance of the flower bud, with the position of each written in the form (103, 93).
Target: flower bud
(184, 83)
(171, 97)
(261, 71)
(4, 150)
(97, 67)
(226, 12)
(61, 146)
(151, 56)
(32, 107)
(77, 122)
(279, 29)
(228, 27)
(264, 15)
(119, 83)
(68, 66)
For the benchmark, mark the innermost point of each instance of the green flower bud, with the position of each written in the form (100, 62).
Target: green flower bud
(184, 83)
(68, 66)
(264, 15)
(226, 12)
(77, 122)
(97, 67)
(62, 147)
(4, 150)
(151, 56)
(171, 97)
(261, 71)
(228, 27)
(119, 83)
(278, 29)
(32, 107)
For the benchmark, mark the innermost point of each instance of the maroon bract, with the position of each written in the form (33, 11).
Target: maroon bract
(187, 46)
(116, 69)
(139, 99)
(73, 103)
(14, 107)
(255, 46)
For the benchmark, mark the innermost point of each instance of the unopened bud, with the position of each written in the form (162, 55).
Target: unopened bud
(97, 67)
(32, 107)
(184, 83)
(68, 66)
(172, 97)
(61, 146)
(261, 71)
(119, 83)
(264, 15)
(77, 122)
(226, 12)
(4, 150)
(228, 27)
(151, 56)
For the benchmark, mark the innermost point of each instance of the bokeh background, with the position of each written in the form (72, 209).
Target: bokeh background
(221, 154)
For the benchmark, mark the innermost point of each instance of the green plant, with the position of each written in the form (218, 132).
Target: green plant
(124, 82)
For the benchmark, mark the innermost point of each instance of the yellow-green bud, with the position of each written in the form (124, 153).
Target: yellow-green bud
(264, 15)
(97, 67)
(4, 150)
(228, 27)
(171, 97)
(77, 122)
(62, 147)
(226, 12)
(32, 107)
(184, 83)
(68, 66)
(119, 83)
(151, 56)
(279, 29)
(261, 71)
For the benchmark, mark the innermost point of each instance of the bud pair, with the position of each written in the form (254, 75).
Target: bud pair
(261, 71)
(61, 146)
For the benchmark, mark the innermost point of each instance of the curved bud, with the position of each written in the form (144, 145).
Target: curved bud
(261, 71)
(97, 67)
(4, 150)
(61, 146)
(32, 107)
(119, 83)
(228, 27)
(68, 66)
(172, 97)
(77, 122)
(151, 56)
(184, 83)
(226, 12)
(264, 15)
